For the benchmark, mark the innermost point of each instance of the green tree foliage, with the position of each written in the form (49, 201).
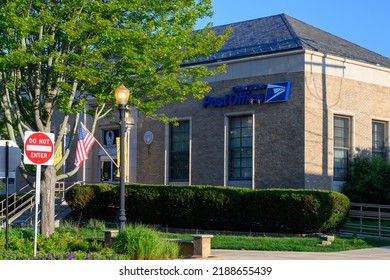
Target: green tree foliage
(368, 180)
(56, 55)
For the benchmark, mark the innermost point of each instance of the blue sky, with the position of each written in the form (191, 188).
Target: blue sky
(365, 23)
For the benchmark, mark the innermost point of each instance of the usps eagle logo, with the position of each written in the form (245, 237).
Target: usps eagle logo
(277, 92)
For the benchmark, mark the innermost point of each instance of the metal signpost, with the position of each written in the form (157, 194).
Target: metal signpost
(11, 161)
(38, 150)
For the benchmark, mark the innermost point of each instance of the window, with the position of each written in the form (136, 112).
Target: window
(240, 148)
(378, 138)
(179, 151)
(342, 147)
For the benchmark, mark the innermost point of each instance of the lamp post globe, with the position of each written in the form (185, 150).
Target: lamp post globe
(122, 96)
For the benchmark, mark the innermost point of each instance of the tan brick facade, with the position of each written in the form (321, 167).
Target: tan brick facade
(293, 141)
(361, 101)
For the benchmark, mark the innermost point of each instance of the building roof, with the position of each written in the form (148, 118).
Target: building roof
(282, 33)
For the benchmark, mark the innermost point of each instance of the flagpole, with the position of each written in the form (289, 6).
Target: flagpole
(84, 163)
(113, 161)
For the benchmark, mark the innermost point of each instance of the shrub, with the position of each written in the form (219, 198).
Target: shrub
(92, 199)
(104, 254)
(143, 202)
(224, 208)
(368, 180)
(289, 210)
(142, 243)
(53, 247)
(20, 240)
(101, 195)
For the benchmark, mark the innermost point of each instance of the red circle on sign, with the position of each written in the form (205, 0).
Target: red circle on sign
(39, 148)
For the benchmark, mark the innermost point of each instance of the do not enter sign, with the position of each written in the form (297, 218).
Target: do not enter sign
(39, 148)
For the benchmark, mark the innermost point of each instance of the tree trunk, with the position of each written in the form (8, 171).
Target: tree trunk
(48, 201)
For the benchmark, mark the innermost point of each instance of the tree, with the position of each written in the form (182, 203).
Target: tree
(58, 54)
(368, 179)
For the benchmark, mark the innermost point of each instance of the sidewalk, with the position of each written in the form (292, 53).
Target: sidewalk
(381, 253)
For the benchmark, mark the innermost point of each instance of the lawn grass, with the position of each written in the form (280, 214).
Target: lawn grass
(247, 242)
(74, 237)
(297, 244)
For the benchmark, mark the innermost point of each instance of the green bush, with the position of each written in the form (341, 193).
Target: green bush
(142, 243)
(368, 180)
(21, 240)
(101, 195)
(288, 210)
(92, 199)
(142, 204)
(224, 208)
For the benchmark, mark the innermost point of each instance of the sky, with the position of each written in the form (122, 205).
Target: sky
(365, 23)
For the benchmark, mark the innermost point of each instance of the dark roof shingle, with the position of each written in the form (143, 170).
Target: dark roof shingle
(281, 33)
(313, 38)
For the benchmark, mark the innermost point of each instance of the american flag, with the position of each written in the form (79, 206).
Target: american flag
(84, 144)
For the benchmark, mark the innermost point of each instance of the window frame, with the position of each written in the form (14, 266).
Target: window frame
(345, 148)
(382, 150)
(186, 152)
(244, 149)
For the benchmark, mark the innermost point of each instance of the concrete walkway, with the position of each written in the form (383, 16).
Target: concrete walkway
(382, 253)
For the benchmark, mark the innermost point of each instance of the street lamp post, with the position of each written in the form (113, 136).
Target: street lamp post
(122, 96)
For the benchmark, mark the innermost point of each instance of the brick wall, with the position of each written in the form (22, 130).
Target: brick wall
(325, 97)
(293, 140)
(278, 132)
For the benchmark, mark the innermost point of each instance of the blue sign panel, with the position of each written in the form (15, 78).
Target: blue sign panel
(275, 92)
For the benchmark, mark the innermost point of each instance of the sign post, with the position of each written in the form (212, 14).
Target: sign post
(11, 161)
(38, 150)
